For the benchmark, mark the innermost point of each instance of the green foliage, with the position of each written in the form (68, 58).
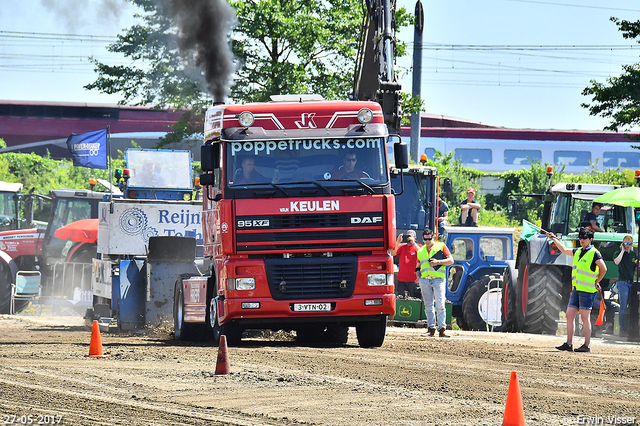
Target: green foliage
(3, 144)
(517, 184)
(410, 105)
(619, 98)
(44, 174)
(300, 46)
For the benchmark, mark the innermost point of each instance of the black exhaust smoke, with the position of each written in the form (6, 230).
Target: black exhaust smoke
(204, 27)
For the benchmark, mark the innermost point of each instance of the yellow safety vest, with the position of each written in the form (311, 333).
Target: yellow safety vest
(426, 270)
(582, 277)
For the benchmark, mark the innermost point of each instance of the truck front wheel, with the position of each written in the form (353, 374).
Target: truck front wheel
(371, 334)
(482, 303)
(234, 334)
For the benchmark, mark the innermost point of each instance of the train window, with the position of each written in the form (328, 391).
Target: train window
(473, 155)
(625, 160)
(521, 156)
(430, 152)
(572, 158)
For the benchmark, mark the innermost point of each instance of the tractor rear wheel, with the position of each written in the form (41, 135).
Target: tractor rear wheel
(538, 297)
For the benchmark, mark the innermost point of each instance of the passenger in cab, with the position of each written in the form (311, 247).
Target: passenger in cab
(592, 218)
(247, 174)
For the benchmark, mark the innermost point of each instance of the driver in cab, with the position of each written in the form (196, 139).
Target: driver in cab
(348, 169)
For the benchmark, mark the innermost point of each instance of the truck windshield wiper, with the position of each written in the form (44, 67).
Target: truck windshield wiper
(319, 185)
(277, 186)
(360, 182)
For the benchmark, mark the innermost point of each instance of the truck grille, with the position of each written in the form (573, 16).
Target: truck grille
(311, 278)
(317, 232)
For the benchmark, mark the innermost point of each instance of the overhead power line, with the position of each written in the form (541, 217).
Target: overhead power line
(526, 47)
(62, 37)
(581, 6)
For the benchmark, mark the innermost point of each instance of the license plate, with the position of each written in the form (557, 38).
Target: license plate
(307, 307)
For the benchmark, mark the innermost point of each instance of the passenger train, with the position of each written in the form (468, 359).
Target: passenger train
(498, 150)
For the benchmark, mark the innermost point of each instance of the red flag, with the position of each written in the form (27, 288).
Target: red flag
(601, 314)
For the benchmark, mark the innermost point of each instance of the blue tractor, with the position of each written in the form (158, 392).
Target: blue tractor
(474, 281)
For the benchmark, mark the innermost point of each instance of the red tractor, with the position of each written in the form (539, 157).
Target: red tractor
(28, 245)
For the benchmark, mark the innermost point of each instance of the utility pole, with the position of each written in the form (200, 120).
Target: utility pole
(417, 73)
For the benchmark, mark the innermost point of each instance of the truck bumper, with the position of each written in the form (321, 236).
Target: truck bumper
(261, 311)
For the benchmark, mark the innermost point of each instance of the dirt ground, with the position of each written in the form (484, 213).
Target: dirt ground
(149, 379)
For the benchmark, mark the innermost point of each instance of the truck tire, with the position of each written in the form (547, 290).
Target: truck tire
(233, 333)
(509, 320)
(371, 334)
(336, 335)
(481, 305)
(538, 297)
(181, 330)
(310, 334)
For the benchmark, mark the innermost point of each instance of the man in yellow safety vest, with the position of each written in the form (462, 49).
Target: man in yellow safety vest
(432, 260)
(588, 270)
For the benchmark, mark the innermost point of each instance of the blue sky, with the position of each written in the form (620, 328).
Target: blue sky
(510, 63)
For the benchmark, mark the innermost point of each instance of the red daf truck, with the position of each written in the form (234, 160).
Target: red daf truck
(298, 215)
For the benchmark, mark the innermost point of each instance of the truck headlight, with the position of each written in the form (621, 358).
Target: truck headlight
(377, 279)
(241, 284)
(365, 115)
(246, 119)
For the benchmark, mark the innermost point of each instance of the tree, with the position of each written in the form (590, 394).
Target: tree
(280, 46)
(619, 98)
(297, 46)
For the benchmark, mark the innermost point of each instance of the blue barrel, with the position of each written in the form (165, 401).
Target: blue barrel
(132, 294)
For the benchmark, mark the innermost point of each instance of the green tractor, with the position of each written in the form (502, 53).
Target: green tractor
(537, 286)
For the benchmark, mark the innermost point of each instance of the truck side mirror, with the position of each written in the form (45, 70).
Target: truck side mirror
(448, 185)
(210, 156)
(401, 155)
(206, 179)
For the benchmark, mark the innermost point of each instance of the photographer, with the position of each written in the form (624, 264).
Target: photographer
(407, 259)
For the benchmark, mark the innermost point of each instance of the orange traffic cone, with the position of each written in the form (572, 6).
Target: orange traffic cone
(222, 367)
(513, 412)
(95, 348)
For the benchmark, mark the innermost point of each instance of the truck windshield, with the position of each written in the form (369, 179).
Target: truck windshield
(308, 160)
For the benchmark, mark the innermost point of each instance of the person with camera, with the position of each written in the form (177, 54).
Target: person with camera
(588, 270)
(626, 261)
(407, 259)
